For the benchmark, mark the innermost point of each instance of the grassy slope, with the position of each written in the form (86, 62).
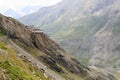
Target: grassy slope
(15, 67)
(87, 26)
(20, 68)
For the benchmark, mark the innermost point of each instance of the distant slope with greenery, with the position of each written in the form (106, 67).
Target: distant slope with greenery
(73, 25)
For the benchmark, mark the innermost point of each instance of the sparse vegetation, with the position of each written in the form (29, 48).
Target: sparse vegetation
(14, 72)
(2, 46)
(1, 34)
(3, 31)
(16, 68)
(116, 30)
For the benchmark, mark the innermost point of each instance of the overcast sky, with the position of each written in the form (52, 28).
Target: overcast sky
(18, 4)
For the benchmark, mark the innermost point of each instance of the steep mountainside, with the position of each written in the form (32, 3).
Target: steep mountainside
(51, 61)
(77, 26)
(14, 66)
(106, 41)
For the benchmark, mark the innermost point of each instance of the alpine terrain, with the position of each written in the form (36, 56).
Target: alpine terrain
(26, 53)
(87, 29)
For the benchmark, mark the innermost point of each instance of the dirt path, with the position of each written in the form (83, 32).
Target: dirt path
(35, 61)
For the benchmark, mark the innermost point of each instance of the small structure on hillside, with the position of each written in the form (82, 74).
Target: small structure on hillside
(34, 29)
(30, 26)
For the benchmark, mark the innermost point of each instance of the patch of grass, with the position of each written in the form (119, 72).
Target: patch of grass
(3, 46)
(17, 68)
(3, 31)
(14, 72)
(1, 34)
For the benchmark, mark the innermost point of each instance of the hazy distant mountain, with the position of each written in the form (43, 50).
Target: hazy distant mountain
(30, 9)
(12, 13)
(88, 29)
(19, 13)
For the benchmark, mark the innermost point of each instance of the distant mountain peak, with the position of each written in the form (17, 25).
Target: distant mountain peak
(22, 12)
(12, 13)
